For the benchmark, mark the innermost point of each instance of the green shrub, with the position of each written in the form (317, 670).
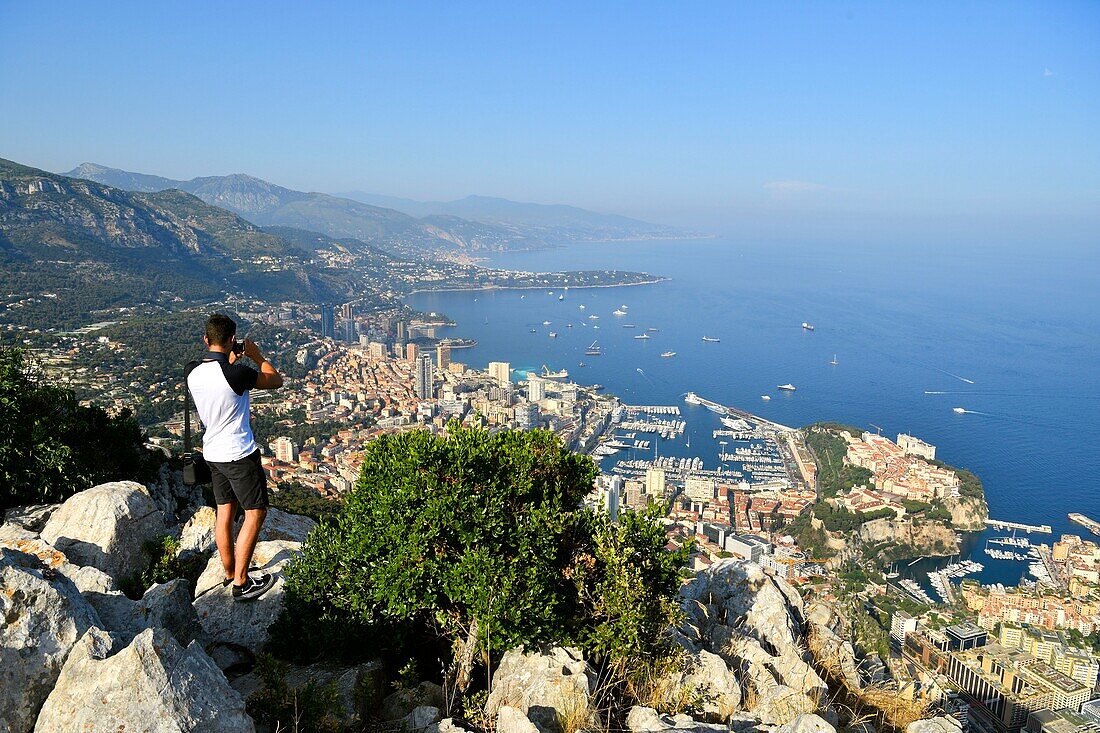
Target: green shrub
(51, 446)
(480, 538)
(163, 567)
(284, 708)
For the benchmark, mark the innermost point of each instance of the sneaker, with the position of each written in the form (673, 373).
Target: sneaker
(252, 567)
(253, 588)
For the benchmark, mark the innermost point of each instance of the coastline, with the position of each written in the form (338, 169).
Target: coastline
(534, 287)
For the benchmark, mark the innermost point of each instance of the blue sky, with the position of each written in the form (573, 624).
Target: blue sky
(958, 120)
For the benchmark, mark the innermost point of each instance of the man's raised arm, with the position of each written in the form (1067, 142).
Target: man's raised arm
(269, 377)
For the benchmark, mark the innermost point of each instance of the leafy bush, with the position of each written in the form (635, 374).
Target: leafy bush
(284, 708)
(51, 446)
(163, 567)
(292, 497)
(479, 541)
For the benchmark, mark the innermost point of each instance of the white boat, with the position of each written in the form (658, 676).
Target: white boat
(834, 362)
(533, 331)
(618, 312)
(623, 306)
(595, 327)
(807, 326)
(593, 317)
(569, 325)
(765, 397)
(546, 323)
(582, 307)
(711, 340)
(651, 328)
(787, 387)
(959, 410)
(668, 354)
(593, 350)
(629, 325)
(561, 297)
(642, 336)
(553, 334)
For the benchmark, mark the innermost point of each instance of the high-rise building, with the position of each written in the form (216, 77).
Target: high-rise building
(328, 321)
(425, 376)
(377, 349)
(501, 371)
(442, 356)
(655, 482)
(412, 351)
(402, 334)
(348, 313)
(285, 450)
(536, 389)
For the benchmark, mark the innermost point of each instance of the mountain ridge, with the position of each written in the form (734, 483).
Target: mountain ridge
(268, 204)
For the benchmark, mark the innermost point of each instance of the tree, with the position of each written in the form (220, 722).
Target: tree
(51, 446)
(481, 539)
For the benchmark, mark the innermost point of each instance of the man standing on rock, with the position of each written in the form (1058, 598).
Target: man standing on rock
(219, 386)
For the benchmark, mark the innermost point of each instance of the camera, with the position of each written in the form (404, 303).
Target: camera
(238, 347)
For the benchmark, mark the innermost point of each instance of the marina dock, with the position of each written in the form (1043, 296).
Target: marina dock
(998, 524)
(1090, 524)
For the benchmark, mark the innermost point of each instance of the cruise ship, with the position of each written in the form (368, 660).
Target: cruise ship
(711, 339)
(787, 387)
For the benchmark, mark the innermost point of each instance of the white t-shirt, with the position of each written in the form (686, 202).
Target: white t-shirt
(220, 392)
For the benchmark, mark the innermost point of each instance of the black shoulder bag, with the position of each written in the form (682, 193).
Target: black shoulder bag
(195, 470)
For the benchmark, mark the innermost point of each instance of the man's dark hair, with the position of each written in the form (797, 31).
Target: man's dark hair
(220, 330)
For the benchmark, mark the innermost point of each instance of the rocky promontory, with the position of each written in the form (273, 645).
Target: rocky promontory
(76, 653)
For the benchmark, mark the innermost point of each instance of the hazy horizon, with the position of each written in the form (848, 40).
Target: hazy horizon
(960, 123)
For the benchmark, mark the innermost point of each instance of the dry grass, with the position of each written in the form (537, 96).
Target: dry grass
(879, 704)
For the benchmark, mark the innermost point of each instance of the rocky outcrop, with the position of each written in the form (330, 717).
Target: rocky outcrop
(153, 684)
(545, 686)
(175, 499)
(511, 720)
(647, 720)
(831, 650)
(968, 513)
(279, 525)
(197, 535)
(754, 622)
(236, 632)
(43, 617)
(807, 723)
(32, 517)
(925, 538)
(941, 724)
(107, 527)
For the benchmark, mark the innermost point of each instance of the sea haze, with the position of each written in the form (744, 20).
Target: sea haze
(1012, 337)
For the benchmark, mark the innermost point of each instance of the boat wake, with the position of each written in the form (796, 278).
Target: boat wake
(956, 376)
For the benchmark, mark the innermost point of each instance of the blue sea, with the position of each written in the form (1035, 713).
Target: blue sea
(1011, 336)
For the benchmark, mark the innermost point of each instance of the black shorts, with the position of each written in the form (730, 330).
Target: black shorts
(242, 481)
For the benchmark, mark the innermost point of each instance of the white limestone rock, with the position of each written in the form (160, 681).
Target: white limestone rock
(43, 617)
(716, 684)
(807, 723)
(32, 517)
(241, 629)
(780, 705)
(151, 685)
(647, 720)
(941, 724)
(543, 686)
(107, 527)
(197, 535)
(168, 606)
(510, 720)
